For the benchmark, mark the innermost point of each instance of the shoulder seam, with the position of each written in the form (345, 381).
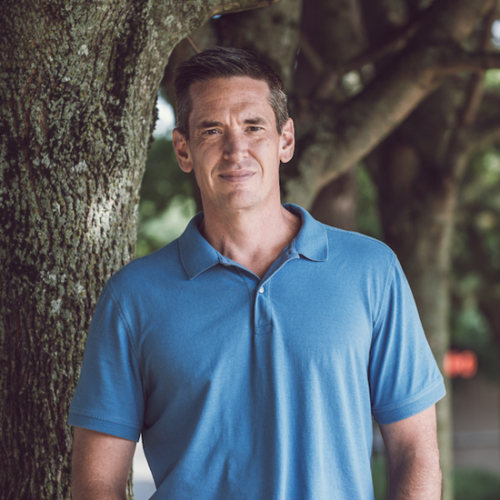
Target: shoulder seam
(354, 234)
(385, 294)
(119, 307)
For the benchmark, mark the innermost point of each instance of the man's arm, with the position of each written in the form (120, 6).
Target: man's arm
(413, 457)
(101, 464)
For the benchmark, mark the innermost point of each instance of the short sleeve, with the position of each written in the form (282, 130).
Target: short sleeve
(109, 397)
(404, 377)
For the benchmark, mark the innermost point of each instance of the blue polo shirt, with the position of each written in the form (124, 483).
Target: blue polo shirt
(257, 389)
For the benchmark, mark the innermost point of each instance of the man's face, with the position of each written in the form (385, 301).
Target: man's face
(234, 147)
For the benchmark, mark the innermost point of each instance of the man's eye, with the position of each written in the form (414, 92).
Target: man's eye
(254, 128)
(211, 131)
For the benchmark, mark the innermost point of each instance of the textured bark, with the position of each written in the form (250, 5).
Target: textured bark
(78, 85)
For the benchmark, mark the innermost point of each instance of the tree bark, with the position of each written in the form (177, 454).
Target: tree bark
(78, 84)
(336, 204)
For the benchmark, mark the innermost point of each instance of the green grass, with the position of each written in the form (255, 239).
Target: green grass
(379, 475)
(476, 485)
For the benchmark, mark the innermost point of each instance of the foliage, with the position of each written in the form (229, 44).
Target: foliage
(492, 79)
(476, 290)
(166, 199)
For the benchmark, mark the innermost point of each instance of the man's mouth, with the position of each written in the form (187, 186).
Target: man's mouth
(236, 175)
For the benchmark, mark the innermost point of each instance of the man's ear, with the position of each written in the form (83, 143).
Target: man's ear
(182, 152)
(287, 141)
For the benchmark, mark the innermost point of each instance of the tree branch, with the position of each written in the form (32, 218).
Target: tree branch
(331, 74)
(483, 139)
(395, 43)
(312, 55)
(238, 6)
(457, 155)
(332, 143)
(373, 114)
(469, 62)
(362, 123)
(193, 45)
(475, 91)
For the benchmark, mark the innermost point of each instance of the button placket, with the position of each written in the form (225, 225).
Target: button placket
(263, 317)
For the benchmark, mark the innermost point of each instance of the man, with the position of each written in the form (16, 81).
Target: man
(252, 352)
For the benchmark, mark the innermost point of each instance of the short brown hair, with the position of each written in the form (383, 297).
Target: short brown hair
(225, 62)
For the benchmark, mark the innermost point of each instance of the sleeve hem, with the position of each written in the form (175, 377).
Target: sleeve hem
(411, 406)
(100, 424)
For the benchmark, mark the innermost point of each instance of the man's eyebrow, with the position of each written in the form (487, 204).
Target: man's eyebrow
(256, 121)
(208, 124)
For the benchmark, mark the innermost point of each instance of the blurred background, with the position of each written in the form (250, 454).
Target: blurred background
(428, 186)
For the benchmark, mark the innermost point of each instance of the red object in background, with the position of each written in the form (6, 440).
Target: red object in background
(460, 364)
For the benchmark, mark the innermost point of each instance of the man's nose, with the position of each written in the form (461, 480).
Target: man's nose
(235, 146)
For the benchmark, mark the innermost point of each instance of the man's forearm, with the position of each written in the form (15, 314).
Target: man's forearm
(415, 479)
(413, 457)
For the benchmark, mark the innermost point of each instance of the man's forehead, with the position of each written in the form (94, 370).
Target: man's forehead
(221, 87)
(236, 93)
(236, 81)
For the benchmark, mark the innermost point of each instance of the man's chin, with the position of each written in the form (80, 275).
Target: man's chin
(239, 201)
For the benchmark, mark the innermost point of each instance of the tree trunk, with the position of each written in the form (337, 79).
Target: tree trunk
(78, 85)
(336, 204)
(417, 205)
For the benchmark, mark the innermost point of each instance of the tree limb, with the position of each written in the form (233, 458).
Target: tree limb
(331, 74)
(468, 62)
(329, 145)
(475, 91)
(367, 119)
(238, 6)
(482, 139)
(363, 122)
(193, 45)
(457, 156)
(395, 43)
(312, 55)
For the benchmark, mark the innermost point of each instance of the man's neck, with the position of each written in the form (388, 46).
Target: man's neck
(253, 238)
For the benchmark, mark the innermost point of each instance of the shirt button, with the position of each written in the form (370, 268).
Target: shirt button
(261, 290)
